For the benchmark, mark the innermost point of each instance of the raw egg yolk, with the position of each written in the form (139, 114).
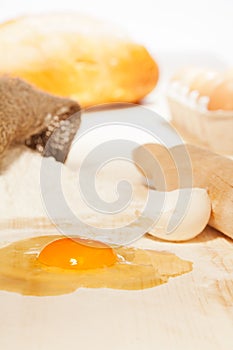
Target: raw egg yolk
(77, 254)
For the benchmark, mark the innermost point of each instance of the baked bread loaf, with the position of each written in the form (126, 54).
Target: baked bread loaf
(78, 57)
(201, 105)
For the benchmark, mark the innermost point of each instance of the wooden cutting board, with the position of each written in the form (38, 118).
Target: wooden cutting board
(192, 311)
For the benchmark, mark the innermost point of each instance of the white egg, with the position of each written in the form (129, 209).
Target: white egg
(184, 215)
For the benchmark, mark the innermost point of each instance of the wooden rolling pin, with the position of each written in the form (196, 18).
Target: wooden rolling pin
(190, 166)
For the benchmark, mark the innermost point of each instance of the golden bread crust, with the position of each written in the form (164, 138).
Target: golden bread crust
(75, 56)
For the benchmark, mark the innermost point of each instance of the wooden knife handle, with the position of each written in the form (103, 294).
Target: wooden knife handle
(191, 166)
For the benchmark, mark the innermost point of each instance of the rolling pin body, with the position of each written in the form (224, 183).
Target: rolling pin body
(185, 165)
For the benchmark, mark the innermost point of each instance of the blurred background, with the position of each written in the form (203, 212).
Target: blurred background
(200, 26)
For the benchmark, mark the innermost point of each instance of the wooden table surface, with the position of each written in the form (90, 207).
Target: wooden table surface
(192, 311)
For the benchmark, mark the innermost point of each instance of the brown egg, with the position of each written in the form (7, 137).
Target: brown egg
(54, 265)
(221, 98)
(187, 75)
(205, 82)
(228, 74)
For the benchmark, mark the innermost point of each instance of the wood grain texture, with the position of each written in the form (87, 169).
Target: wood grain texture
(192, 311)
(189, 312)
